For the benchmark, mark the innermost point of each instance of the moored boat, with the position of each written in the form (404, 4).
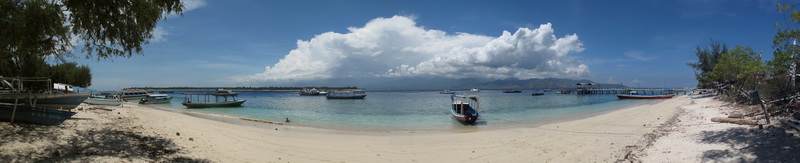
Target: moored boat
(132, 94)
(512, 91)
(209, 100)
(227, 92)
(103, 101)
(446, 92)
(346, 95)
(156, 99)
(474, 90)
(462, 108)
(537, 93)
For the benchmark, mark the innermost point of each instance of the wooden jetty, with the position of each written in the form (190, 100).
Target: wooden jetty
(590, 88)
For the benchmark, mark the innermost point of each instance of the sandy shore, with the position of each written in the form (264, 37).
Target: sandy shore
(694, 138)
(139, 134)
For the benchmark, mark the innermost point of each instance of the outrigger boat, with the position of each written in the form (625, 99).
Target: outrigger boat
(46, 107)
(103, 101)
(156, 99)
(634, 95)
(462, 110)
(193, 100)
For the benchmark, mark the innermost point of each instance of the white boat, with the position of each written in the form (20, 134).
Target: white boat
(210, 100)
(102, 101)
(464, 108)
(132, 94)
(474, 90)
(156, 99)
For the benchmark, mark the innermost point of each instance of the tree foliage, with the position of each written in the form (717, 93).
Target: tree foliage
(707, 60)
(34, 30)
(741, 66)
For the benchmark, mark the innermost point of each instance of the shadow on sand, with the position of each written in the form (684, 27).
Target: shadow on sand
(85, 146)
(771, 144)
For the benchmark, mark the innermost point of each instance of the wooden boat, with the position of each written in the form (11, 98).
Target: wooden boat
(132, 94)
(103, 101)
(47, 99)
(446, 92)
(512, 91)
(462, 108)
(156, 99)
(634, 95)
(210, 100)
(346, 95)
(34, 115)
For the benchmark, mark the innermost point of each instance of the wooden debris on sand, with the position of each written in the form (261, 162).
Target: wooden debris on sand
(734, 121)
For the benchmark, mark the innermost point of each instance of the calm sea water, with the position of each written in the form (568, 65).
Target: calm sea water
(411, 110)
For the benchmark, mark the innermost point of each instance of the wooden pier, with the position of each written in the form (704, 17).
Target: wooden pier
(589, 88)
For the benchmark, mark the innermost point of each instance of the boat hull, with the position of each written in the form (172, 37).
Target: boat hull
(102, 101)
(464, 118)
(645, 96)
(64, 101)
(155, 101)
(346, 97)
(34, 115)
(214, 105)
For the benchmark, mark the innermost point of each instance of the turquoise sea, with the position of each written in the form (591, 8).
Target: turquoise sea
(411, 110)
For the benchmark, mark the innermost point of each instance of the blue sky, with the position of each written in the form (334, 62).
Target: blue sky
(242, 43)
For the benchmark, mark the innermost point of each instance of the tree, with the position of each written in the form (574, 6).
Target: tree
(740, 66)
(33, 30)
(707, 60)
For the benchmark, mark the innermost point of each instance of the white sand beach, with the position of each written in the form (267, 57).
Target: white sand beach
(138, 134)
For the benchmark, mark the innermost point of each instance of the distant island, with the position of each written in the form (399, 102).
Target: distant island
(244, 88)
(427, 84)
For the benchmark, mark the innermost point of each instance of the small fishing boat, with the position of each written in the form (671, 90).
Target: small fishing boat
(635, 95)
(156, 99)
(103, 101)
(537, 93)
(462, 109)
(446, 92)
(346, 95)
(702, 96)
(512, 91)
(474, 90)
(210, 100)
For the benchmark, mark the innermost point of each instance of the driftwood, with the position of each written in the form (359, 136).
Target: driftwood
(791, 123)
(734, 121)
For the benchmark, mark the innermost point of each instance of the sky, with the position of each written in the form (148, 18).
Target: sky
(643, 43)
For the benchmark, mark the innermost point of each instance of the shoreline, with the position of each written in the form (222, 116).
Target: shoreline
(461, 128)
(596, 138)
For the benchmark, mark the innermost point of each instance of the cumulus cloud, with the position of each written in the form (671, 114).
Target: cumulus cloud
(396, 47)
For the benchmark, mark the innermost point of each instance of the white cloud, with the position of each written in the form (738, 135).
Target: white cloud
(159, 35)
(192, 4)
(396, 47)
(637, 55)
